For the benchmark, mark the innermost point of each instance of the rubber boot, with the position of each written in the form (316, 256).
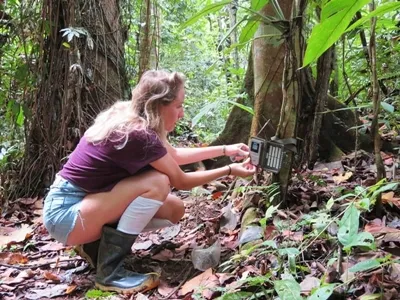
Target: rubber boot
(89, 252)
(110, 273)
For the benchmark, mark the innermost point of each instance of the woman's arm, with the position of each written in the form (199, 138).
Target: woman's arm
(184, 156)
(184, 181)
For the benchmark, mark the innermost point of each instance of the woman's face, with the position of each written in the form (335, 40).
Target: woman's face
(171, 113)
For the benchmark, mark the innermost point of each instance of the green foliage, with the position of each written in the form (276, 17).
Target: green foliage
(288, 289)
(381, 10)
(322, 293)
(97, 294)
(335, 17)
(205, 11)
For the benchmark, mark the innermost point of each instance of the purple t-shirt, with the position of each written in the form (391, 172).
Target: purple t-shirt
(97, 168)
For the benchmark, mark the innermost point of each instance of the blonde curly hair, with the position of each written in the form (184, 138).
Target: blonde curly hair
(154, 89)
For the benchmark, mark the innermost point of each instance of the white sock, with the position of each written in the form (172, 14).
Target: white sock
(138, 214)
(156, 223)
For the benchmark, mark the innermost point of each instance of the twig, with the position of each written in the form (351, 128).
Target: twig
(37, 266)
(229, 190)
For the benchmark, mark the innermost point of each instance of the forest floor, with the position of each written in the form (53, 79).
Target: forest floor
(326, 242)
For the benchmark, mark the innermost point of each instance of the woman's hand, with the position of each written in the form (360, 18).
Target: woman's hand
(237, 152)
(243, 169)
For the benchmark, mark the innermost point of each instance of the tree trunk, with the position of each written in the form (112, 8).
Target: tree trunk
(324, 69)
(268, 60)
(77, 82)
(145, 37)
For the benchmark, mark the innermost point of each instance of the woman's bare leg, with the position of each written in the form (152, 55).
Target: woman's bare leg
(172, 209)
(103, 208)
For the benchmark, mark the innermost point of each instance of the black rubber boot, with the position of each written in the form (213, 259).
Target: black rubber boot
(110, 273)
(89, 252)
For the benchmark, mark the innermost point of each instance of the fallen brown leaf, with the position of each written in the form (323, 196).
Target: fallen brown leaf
(11, 258)
(198, 281)
(51, 276)
(342, 177)
(17, 235)
(376, 226)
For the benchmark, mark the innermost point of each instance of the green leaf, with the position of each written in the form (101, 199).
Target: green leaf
(380, 10)
(207, 108)
(20, 117)
(278, 10)
(270, 211)
(248, 32)
(363, 239)
(365, 265)
(258, 4)
(230, 31)
(205, 11)
(288, 289)
(269, 243)
(348, 226)
(235, 296)
(388, 107)
(244, 107)
(322, 293)
(331, 8)
(329, 31)
(387, 187)
(288, 251)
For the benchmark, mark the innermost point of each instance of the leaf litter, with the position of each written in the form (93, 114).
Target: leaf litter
(307, 249)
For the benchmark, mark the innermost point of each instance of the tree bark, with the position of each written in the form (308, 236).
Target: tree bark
(324, 69)
(145, 38)
(76, 84)
(380, 168)
(268, 60)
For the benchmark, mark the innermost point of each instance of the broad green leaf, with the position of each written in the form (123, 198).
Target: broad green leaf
(365, 265)
(363, 239)
(329, 31)
(269, 243)
(348, 226)
(288, 251)
(248, 32)
(288, 289)
(244, 107)
(330, 203)
(235, 296)
(258, 4)
(271, 210)
(322, 293)
(207, 108)
(388, 107)
(360, 190)
(380, 10)
(365, 203)
(20, 117)
(230, 31)
(387, 187)
(205, 11)
(333, 7)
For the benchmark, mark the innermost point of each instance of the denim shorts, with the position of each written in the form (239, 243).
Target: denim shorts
(61, 208)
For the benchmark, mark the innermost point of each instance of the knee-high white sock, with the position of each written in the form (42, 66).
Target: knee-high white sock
(138, 214)
(157, 223)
